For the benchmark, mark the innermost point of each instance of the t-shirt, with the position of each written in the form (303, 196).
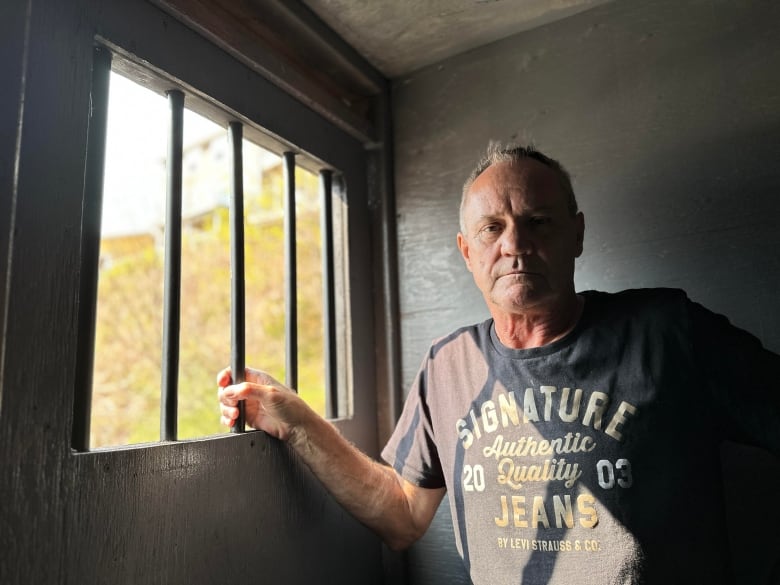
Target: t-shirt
(594, 459)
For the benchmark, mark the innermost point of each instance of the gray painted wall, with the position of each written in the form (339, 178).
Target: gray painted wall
(667, 114)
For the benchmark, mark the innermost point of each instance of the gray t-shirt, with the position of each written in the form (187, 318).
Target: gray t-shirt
(595, 459)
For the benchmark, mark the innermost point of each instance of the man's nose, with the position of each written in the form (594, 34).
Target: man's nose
(516, 240)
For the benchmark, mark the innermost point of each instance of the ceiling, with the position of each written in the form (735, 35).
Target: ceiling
(400, 36)
(337, 56)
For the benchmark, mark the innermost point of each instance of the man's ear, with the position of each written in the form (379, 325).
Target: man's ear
(463, 246)
(580, 219)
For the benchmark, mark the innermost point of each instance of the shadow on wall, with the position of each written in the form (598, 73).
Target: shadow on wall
(701, 214)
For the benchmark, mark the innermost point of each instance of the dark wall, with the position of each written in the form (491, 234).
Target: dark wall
(236, 508)
(667, 114)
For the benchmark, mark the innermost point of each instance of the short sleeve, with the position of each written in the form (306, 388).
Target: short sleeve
(741, 377)
(412, 450)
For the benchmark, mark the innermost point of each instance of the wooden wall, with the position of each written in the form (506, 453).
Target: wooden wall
(237, 508)
(667, 114)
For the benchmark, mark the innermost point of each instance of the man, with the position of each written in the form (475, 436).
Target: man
(577, 434)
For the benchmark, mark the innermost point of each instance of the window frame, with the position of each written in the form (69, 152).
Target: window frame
(223, 89)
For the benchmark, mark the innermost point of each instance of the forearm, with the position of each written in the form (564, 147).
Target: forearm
(367, 489)
(395, 509)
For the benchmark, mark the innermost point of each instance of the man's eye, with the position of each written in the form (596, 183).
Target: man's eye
(490, 229)
(540, 220)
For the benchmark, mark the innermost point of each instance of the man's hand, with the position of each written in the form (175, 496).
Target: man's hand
(269, 405)
(397, 510)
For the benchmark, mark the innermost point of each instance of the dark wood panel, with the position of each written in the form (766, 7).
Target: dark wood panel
(36, 375)
(284, 41)
(231, 508)
(13, 35)
(236, 508)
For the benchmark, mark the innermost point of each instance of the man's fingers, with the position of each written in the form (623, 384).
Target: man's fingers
(231, 395)
(224, 378)
(229, 414)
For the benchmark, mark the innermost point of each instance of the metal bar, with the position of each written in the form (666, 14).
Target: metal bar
(172, 282)
(328, 295)
(92, 207)
(291, 279)
(238, 304)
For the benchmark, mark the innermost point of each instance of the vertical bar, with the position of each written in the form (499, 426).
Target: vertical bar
(291, 278)
(328, 295)
(92, 206)
(237, 305)
(172, 282)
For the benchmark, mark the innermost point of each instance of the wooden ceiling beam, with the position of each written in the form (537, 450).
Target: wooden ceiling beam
(289, 45)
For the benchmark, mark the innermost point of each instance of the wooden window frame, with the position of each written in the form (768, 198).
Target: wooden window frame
(224, 89)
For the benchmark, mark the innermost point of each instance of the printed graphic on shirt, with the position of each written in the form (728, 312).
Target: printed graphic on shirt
(529, 450)
(595, 459)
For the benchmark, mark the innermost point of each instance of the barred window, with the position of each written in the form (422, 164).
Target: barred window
(207, 243)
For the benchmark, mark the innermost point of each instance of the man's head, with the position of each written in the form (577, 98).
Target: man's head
(496, 152)
(520, 230)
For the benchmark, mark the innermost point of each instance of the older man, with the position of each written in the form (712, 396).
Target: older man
(577, 434)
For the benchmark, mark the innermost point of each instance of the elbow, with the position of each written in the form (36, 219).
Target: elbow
(402, 539)
(406, 514)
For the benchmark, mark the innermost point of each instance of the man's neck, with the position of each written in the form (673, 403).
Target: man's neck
(538, 327)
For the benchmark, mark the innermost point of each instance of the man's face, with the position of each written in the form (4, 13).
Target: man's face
(520, 238)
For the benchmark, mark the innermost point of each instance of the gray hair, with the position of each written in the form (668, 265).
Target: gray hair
(498, 153)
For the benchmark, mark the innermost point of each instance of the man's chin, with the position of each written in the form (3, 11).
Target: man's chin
(520, 298)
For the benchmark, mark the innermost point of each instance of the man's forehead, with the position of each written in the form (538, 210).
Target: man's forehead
(517, 172)
(528, 179)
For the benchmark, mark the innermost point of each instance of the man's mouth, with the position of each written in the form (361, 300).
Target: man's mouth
(519, 273)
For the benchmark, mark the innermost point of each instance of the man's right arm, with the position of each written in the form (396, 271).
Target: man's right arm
(397, 510)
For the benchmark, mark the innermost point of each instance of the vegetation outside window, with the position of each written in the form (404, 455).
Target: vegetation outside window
(127, 371)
